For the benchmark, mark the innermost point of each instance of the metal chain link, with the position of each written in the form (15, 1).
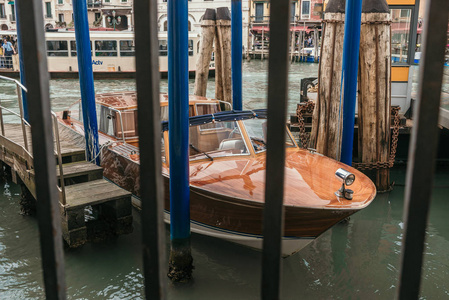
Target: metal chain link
(300, 109)
(393, 147)
(305, 136)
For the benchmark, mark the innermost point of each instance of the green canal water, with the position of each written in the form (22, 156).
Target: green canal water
(355, 260)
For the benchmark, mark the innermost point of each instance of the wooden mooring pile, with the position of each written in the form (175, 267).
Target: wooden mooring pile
(91, 208)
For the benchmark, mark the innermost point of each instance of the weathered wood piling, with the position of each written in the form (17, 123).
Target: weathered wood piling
(223, 63)
(375, 93)
(326, 122)
(205, 52)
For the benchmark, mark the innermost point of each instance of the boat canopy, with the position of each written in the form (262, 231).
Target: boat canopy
(233, 115)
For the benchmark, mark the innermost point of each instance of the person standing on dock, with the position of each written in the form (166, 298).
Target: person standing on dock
(8, 51)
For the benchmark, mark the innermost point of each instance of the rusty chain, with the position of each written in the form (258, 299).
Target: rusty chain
(394, 144)
(300, 109)
(307, 107)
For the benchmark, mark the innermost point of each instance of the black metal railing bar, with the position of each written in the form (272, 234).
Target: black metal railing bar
(147, 84)
(273, 223)
(48, 208)
(423, 149)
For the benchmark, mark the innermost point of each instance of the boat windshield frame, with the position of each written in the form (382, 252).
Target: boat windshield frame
(288, 134)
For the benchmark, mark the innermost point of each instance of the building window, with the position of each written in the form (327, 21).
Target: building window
(305, 9)
(105, 48)
(97, 16)
(107, 1)
(127, 48)
(48, 9)
(60, 1)
(61, 18)
(189, 26)
(123, 1)
(57, 48)
(165, 26)
(259, 12)
(293, 12)
(2, 11)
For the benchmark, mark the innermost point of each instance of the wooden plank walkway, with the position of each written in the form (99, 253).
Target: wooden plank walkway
(84, 185)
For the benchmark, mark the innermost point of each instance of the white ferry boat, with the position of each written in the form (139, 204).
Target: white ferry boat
(113, 53)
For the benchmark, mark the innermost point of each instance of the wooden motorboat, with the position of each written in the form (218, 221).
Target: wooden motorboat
(227, 171)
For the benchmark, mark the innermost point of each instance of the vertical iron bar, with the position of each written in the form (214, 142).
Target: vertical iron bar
(86, 77)
(147, 84)
(423, 148)
(21, 64)
(24, 132)
(48, 209)
(237, 54)
(273, 222)
(351, 45)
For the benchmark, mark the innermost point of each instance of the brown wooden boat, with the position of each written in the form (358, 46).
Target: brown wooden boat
(227, 171)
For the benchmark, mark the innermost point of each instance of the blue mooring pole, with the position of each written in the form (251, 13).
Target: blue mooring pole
(236, 50)
(84, 55)
(351, 46)
(180, 262)
(21, 63)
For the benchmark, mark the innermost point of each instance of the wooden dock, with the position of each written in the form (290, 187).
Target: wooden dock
(82, 189)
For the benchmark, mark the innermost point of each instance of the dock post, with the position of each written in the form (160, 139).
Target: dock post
(48, 206)
(205, 52)
(21, 63)
(374, 100)
(325, 135)
(180, 261)
(351, 46)
(237, 54)
(224, 37)
(86, 77)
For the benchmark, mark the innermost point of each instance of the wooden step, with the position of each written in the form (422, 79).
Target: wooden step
(80, 171)
(92, 193)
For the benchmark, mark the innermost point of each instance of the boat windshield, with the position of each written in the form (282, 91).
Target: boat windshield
(219, 139)
(257, 132)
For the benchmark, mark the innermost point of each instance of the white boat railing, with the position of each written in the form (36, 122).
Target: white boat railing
(24, 124)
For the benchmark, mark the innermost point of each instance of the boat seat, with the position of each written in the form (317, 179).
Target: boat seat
(232, 144)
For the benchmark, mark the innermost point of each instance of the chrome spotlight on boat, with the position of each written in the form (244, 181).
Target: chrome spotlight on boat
(347, 178)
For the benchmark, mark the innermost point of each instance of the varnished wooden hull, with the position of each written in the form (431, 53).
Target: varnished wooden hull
(228, 213)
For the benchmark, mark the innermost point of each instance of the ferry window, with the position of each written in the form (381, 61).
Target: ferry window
(225, 141)
(57, 48)
(105, 48)
(190, 47)
(73, 48)
(400, 35)
(163, 48)
(127, 48)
